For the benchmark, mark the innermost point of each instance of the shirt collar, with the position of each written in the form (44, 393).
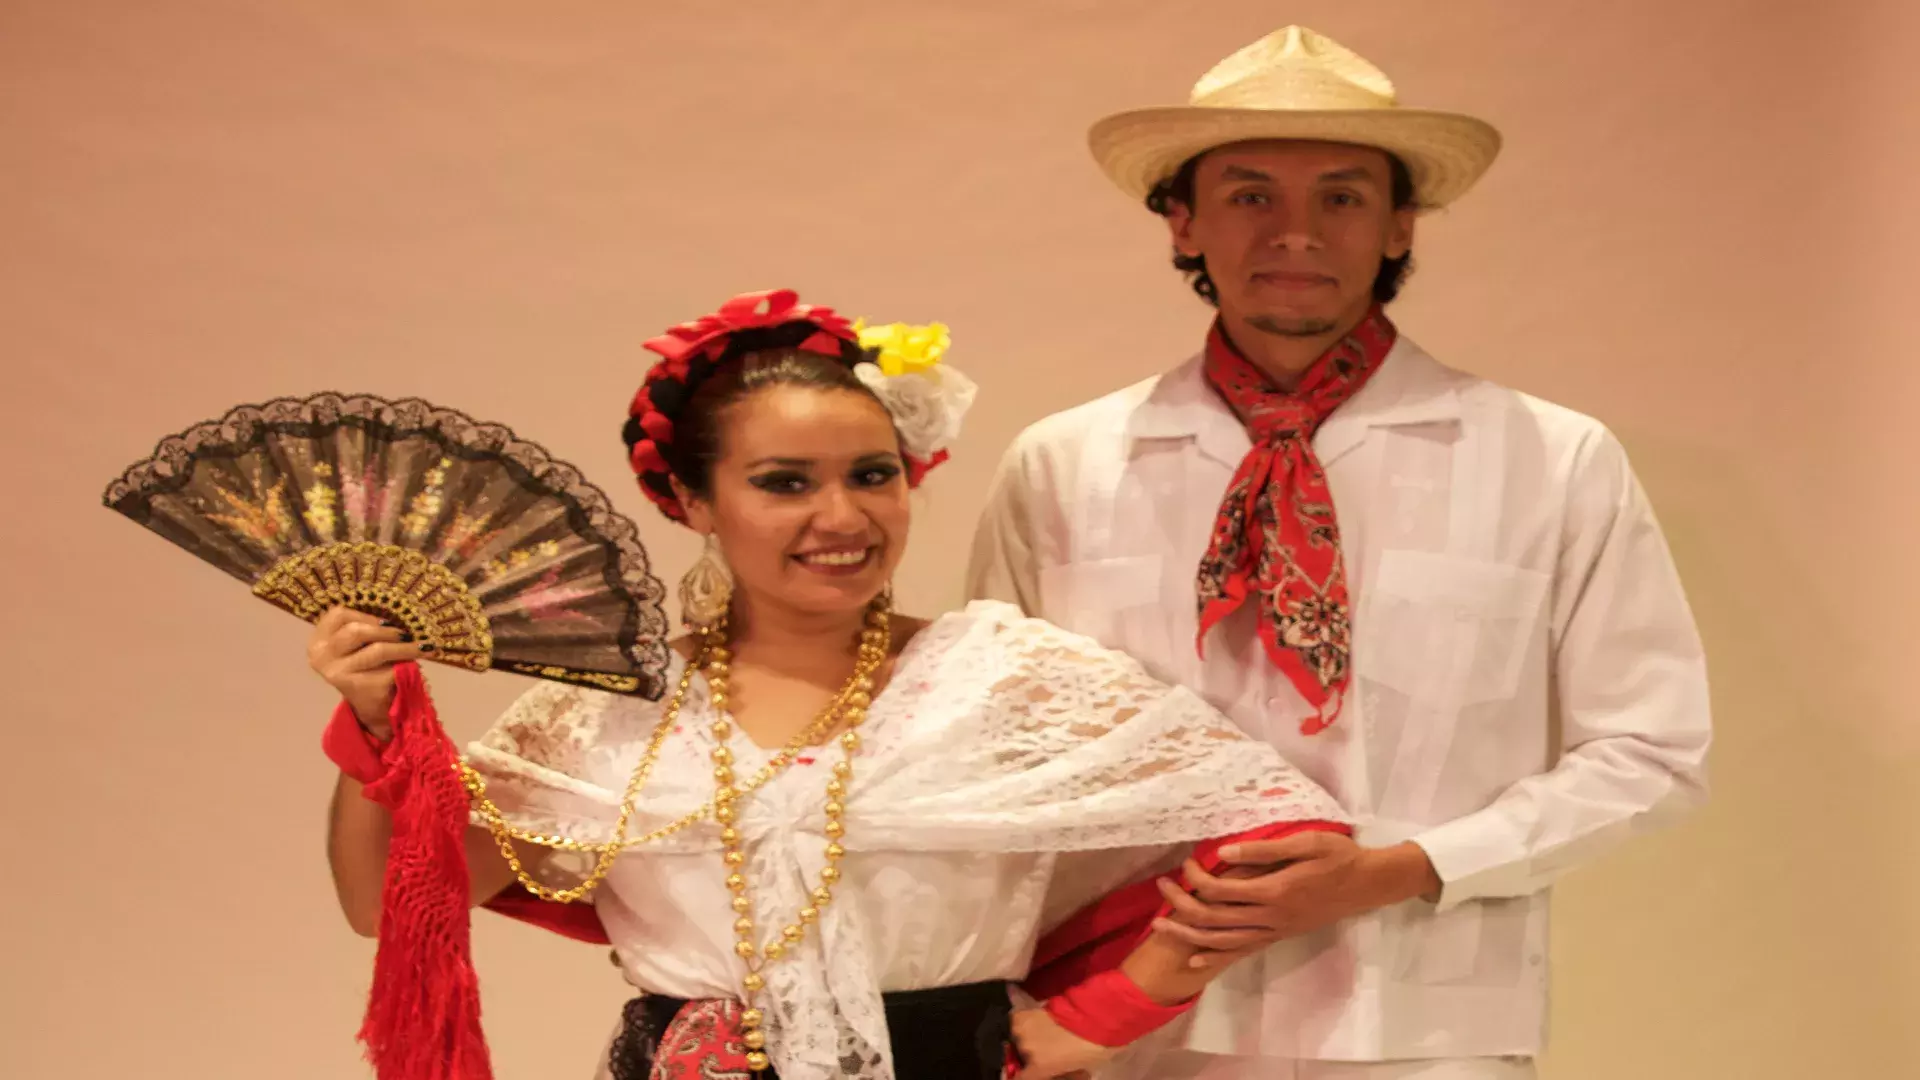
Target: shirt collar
(1411, 387)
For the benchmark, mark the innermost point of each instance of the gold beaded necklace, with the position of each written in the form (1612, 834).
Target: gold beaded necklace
(848, 707)
(505, 833)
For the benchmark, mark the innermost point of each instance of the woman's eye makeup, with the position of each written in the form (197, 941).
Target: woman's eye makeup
(781, 481)
(875, 475)
(794, 481)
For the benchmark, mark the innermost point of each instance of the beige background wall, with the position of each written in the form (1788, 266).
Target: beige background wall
(1703, 232)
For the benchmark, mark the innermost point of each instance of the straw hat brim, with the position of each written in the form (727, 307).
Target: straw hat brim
(1445, 152)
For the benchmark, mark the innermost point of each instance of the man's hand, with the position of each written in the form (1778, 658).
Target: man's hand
(1320, 879)
(1048, 1050)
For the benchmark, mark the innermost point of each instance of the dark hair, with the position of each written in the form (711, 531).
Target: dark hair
(1178, 188)
(752, 360)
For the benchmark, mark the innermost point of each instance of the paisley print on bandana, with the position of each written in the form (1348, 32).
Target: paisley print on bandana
(1275, 540)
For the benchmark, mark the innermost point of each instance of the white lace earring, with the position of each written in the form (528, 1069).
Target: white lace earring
(706, 589)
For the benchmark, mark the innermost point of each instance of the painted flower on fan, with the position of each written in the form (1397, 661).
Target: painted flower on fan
(266, 521)
(928, 399)
(548, 599)
(520, 558)
(320, 513)
(365, 499)
(465, 535)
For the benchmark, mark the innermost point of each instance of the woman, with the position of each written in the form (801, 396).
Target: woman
(835, 844)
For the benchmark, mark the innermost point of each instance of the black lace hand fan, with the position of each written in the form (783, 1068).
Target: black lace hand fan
(460, 532)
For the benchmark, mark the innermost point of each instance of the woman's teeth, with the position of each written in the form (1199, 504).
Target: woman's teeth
(836, 558)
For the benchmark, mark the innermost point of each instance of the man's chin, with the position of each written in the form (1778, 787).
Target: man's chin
(1294, 326)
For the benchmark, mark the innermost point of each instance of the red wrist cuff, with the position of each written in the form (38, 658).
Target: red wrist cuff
(348, 745)
(1111, 1010)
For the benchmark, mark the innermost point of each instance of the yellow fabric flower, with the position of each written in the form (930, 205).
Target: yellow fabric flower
(905, 349)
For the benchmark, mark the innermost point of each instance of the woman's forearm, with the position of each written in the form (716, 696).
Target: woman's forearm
(1088, 1022)
(358, 830)
(1160, 967)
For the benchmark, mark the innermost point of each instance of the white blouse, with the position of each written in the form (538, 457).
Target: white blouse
(1000, 742)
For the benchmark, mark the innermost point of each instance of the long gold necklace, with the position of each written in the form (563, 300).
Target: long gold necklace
(812, 735)
(850, 706)
(505, 834)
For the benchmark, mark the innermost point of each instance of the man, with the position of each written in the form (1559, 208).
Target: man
(1448, 601)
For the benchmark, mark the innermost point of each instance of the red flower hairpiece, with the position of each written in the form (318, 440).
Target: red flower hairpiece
(708, 336)
(752, 311)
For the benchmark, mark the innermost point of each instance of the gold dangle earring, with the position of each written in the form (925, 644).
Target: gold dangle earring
(706, 590)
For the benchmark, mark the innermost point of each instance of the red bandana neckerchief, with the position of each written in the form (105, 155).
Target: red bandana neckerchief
(1275, 537)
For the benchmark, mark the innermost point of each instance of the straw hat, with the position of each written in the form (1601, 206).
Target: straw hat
(1296, 84)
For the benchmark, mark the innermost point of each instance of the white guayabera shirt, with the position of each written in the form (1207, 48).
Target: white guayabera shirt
(1529, 685)
(998, 743)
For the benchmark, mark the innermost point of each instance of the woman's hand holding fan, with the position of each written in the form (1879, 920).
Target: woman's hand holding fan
(356, 653)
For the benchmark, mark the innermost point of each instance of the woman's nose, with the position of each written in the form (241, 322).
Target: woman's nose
(837, 512)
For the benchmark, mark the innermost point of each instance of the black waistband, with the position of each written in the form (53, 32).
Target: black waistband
(943, 1033)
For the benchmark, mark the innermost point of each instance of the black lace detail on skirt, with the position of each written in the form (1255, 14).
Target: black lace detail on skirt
(631, 1056)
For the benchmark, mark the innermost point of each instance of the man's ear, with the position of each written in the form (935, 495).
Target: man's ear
(1400, 234)
(1180, 227)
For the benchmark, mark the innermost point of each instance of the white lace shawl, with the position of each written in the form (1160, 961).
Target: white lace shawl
(997, 733)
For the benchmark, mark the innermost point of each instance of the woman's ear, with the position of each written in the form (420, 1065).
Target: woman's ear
(699, 513)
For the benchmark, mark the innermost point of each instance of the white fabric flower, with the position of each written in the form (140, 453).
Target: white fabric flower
(927, 405)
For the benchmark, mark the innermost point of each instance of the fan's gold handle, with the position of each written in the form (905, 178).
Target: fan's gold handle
(404, 587)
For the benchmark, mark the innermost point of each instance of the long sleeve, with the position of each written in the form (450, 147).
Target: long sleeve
(1003, 565)
(1630, 700)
